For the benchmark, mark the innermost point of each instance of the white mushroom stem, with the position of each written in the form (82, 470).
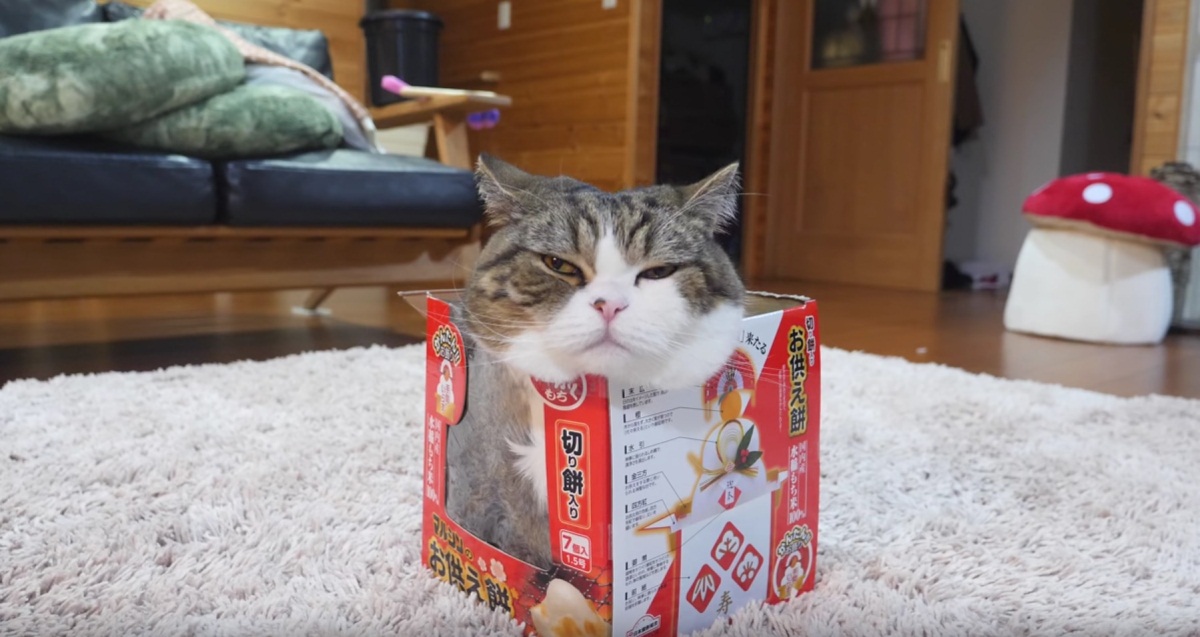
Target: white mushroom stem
(1084, 286)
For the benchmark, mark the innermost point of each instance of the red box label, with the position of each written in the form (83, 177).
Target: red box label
(573, 482)
(576, 550)
(748, 567)
(704, 588)
(727, 546)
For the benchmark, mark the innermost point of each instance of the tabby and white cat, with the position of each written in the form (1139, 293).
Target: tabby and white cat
(631, 286)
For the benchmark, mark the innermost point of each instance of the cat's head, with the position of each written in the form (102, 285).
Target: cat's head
(632, 285)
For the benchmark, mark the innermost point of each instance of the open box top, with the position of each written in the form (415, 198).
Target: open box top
(668, 510)
(756, 303)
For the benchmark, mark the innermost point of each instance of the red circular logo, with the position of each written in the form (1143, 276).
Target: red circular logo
(562, 396)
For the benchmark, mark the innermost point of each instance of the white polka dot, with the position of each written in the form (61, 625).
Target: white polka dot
(1185, 213)
(1097, 193)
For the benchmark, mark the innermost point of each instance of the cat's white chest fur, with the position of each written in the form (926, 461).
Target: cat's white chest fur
(531, 458)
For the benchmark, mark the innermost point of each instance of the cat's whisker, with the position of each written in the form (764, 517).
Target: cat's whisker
(491, 322)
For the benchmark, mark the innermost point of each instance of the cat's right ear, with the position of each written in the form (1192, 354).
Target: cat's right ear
(503, 188)
(714, 198)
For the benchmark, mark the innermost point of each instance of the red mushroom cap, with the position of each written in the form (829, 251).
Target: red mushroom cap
(1136, 208)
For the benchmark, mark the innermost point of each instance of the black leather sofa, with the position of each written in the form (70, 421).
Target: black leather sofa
(74, 189)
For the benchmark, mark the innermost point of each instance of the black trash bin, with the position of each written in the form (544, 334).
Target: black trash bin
(403, 43)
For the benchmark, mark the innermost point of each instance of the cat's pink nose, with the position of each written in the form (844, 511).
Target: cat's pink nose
(609, 308)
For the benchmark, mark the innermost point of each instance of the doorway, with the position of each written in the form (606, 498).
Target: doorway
(1057, 85)
(1101, 86)
(703, 81)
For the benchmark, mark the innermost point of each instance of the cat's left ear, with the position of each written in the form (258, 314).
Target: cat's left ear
(714, 198)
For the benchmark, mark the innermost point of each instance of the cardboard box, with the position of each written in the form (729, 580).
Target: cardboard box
(668, 510)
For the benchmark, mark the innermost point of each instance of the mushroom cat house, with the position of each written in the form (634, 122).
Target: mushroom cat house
(1093, 267)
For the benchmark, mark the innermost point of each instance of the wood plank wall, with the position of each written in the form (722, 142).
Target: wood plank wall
(1161, 84)
(645, 58)
(756, 181)
(338, 19)
(584, 82)
(584, 79)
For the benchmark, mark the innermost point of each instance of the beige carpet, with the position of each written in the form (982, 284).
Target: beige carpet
(281, 498)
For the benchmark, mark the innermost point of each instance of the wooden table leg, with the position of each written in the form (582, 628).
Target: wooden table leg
(431, 147)
(450, 131)
(312, 304)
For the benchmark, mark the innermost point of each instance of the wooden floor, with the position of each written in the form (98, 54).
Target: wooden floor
(961, 329)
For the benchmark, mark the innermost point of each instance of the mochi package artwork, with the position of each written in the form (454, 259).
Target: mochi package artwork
(669, 510)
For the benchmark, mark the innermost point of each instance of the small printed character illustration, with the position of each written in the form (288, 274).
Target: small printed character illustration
(445, 390)
(793, 575)
(794, 564)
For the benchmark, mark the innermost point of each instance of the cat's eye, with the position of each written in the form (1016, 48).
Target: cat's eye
(660, 272)
(561, 266)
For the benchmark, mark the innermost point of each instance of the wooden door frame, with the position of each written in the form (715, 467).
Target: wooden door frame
(756, 172)
(1161, 84)
(645, 52)
(641, 127)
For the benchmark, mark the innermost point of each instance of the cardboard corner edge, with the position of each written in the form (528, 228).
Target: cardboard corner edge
(419, 299)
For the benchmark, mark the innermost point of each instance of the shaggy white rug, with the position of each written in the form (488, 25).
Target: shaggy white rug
(281, 498)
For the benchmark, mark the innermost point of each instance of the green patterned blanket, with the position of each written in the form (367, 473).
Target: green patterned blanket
(172, 86)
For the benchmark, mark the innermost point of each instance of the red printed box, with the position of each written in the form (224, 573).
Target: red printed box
(667, 510)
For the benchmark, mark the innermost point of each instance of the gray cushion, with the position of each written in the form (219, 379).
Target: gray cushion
(23, 16)
(347, 188)
(305, 46)
(266, 75)
(69, 180)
